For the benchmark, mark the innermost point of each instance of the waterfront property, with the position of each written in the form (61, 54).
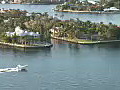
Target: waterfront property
(89, 7)
(85, 32)
(28, 30)
(23, 38)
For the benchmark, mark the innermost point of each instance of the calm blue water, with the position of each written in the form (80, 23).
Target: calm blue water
(65, 66)
(106, 18)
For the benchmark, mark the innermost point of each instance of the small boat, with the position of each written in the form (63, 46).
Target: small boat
(17, 69)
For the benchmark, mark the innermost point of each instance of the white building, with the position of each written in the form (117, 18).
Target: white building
(19, 32)
(111, 9)
(92, 2)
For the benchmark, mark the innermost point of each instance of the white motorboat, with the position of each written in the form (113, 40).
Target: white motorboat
(17, 69)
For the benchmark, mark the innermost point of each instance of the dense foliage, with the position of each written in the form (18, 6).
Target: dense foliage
(42, 23)
(88, 30)
(35, 22)
(113, 3)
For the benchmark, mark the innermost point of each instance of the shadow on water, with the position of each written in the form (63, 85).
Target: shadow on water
(115, 45)
(74, 47)
(27, 51)
(77, 47)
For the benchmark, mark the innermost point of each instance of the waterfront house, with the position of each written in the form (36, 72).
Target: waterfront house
(24, 36)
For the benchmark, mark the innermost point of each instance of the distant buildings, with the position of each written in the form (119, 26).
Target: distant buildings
(30, 38)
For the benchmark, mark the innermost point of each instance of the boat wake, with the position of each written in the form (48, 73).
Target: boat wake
(19, 68)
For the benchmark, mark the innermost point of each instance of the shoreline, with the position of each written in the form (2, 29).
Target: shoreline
(27, 46)
(85, 42)
(87, 12)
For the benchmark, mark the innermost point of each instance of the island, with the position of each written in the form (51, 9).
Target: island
(89, 7)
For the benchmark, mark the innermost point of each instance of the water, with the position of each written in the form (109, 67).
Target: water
(106, 18)
(65, 66)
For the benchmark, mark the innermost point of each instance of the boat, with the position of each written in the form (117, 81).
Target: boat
(18, 68)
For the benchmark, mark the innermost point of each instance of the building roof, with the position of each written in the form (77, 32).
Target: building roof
(19, 32)
(93, 2)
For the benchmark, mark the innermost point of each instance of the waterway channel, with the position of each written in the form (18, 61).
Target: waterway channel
(65, 66)
(106, 18)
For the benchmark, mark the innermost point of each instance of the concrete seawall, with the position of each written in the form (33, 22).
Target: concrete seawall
(87, 12)
(26, 46)
(87, 42)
